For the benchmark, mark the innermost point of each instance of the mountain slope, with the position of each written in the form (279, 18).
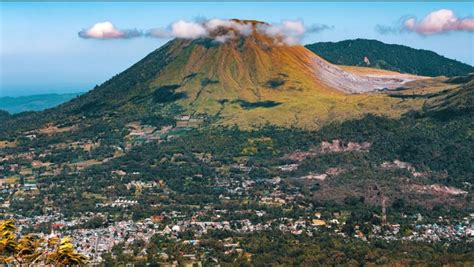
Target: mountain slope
(459, 100)
(390, 57)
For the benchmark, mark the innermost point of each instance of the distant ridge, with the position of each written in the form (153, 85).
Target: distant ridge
(376, 54)
(34, 102)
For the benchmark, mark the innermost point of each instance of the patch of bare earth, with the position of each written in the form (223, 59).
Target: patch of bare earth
(333, 146)
(359, 80)
(435, 194)
(398, 164)
(7, 144)
(322, 176)
(51, 129)
(437, 189)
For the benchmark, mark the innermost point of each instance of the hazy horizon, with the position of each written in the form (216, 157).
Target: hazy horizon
(20, 90)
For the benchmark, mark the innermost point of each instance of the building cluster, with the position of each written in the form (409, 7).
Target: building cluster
(95, 242)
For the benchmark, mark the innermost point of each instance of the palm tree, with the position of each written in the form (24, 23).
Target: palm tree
(31, 249)
(8, 241)
(65, 254)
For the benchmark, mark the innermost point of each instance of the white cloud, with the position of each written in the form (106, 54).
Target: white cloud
(294, 27)
(224, 38)
(188, 30)
(315, 28)
(159, 33)
(439, 21)
(210, 28)
(410, 23)
(106, 30)
(244, 29)
(289, 32)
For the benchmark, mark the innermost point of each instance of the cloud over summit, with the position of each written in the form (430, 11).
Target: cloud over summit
(206, 29)
(289, 32)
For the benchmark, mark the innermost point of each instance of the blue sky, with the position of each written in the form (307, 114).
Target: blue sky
(40, 51)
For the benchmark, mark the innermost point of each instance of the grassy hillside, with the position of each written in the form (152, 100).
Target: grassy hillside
(390, 57)
(34, 102)
(455, 101)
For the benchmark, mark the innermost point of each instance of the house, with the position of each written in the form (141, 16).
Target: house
(119, 172)
(288, 167)
(157, 218)
(318, 222)
(30, 187)
(31, 136)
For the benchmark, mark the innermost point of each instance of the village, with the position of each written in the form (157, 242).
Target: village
(171, 226)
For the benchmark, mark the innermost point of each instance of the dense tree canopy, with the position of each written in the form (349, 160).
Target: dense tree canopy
(390, 57)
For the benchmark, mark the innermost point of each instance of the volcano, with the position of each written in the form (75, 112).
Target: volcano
(244, 79)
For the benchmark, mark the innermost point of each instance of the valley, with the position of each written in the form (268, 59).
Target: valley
(186, 186)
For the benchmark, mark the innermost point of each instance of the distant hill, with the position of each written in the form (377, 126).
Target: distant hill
(4, 114)
(373, 53)
(34, 102)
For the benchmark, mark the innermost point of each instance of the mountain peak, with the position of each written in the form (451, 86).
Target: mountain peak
(241, 73)
(244, 77)
(249, 21)
(222, 31)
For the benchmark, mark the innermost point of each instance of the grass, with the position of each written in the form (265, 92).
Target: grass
(252, 105)
(11, 180)
(90, 195)
(53, 129)
(314, 111)
(26, 171)
(85, 164)
(7, 144)
(243, 76)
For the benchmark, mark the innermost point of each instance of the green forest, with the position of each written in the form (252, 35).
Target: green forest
(389, 57)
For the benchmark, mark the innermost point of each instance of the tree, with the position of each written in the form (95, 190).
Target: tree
(398, 204)
(33, 250)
